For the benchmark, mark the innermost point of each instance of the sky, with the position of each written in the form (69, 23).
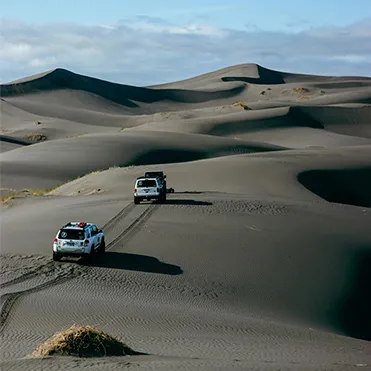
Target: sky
(157, 41)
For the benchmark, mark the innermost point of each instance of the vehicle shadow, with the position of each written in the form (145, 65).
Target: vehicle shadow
(186, 202)
(135, 262)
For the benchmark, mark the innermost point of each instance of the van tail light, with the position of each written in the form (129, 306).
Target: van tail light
(86, 242)
(135, 190)
(55, 240)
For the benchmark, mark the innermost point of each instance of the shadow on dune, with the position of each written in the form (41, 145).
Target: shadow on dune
(9, 139)
(266, 77)
(354, 313)
(344, 186)
(293, 118)
(190, 192)
(135, 262)
(164, 156)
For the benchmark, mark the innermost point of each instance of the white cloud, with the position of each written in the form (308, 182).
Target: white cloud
(150, 50)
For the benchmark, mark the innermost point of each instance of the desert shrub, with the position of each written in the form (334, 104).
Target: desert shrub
(82, 341)
(300, 90)
(242, 105)
(35, 137)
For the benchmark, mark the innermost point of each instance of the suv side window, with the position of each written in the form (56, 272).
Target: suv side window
(94, 230)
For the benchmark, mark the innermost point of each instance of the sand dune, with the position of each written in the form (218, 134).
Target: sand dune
(48, 164)
(259, 260)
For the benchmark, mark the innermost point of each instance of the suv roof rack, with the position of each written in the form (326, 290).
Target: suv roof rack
(76, 224)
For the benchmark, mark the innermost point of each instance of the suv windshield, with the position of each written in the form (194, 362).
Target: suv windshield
(71, 234)
(146, 183)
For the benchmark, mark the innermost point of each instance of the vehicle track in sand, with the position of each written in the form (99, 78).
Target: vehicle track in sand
(128, 233)
(9, 299)
(50, 266)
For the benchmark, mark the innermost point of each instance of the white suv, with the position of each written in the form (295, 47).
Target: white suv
(78, 239)
(149, 189)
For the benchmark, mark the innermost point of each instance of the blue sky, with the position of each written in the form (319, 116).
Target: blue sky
(116, 39)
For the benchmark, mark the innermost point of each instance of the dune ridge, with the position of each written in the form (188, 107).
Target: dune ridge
(260, 258)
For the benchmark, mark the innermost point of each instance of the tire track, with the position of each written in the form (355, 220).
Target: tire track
(133, 228)
(50, 265)
(28, 275)
(8, 300)
(125, 211)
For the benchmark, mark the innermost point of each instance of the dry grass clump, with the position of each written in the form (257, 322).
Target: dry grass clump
(12, 194)
(41, 192)
(82, 341)
(8, 197)
(300, 90)
(241, 104)
(35, 137)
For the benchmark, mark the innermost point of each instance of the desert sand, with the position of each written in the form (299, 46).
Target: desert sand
(261, 258)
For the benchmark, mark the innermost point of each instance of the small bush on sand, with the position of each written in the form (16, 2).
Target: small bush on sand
(35, 137)
(37, 122)
(41, 192)
(82, 341)
(241, 104)
(8, 197)
(300, 90)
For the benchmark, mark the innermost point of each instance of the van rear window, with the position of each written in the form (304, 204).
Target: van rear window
(145, 183)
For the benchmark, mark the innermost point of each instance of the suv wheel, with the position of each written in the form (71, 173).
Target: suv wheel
(56, 257)
(136, 201)
(88, 258)
(102, 247)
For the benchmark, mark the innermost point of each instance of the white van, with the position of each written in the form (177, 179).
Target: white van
(149, 189)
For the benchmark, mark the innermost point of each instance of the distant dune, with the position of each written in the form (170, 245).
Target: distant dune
(260, 258)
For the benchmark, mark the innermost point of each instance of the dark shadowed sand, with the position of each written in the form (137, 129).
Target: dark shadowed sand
(261, 258)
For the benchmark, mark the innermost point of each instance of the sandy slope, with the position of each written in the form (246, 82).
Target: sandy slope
(259, 260)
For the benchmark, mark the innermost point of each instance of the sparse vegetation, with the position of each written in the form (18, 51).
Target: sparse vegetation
(242, 105)
(8, 197)
(302, 97)
(265, 91)
(37, 122)
(11, 194)
(35, 137)
(82, 341)
(41, 192)
(300, 90)
(76, 135)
